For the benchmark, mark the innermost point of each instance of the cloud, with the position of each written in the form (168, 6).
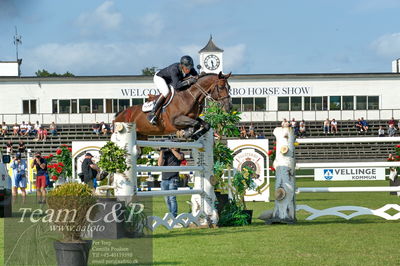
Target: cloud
(95, 58)
(152, 24)
(103, 17)
(12, 8)
(374, 5)
(387, 45)
(234, 57)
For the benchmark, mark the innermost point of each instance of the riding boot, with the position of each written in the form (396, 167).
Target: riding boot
(152, 116)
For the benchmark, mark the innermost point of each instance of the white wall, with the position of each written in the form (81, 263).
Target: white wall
(9, 69)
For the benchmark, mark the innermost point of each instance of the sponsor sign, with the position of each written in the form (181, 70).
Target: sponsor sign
(341, 174)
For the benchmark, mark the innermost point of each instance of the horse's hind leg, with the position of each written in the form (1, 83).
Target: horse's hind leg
(190, 125)
(203, 128)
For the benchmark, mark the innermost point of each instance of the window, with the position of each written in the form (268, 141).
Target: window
(325, 103)
(29, 107)
(237, 104)
(25, 107)
(137, 101)
(65, 106)
(373, 102)
(74, 106)
(123, 104)
(348, 102)
(283, 103)
(55, 106)
(97, 106)
(316, 103)
(84, 106)
(260, 104)
(295, 103)
(307, 103)
(361, 102)
(247, 104)
(335, 103)
(115, 106)
(109, 106)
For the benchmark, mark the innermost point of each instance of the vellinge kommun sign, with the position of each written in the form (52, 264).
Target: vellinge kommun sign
(345, 174)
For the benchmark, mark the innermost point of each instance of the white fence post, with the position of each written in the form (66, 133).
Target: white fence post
(205, 202)
(125, 137)
(285, 184)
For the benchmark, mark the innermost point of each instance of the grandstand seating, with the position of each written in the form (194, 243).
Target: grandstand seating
(315, 152)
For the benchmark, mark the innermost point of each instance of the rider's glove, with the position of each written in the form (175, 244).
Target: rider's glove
(191, 80)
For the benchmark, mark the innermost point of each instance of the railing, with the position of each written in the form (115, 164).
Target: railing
(254, 116)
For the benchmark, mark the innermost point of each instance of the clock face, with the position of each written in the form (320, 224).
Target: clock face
(211, 62)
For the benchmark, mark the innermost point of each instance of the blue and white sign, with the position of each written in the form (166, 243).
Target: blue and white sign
(346, 174)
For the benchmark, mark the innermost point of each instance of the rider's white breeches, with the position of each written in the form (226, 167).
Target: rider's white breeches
(161, 85)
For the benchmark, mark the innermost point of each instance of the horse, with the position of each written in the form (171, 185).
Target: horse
(182, 113)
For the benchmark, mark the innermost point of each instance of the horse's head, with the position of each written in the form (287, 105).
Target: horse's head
(220, 92)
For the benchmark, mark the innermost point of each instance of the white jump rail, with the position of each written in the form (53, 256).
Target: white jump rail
(357, 210)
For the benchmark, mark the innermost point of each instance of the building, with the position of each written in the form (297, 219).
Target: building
(261, 97)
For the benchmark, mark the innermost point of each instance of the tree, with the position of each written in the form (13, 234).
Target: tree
(45, 73)
(149, 71)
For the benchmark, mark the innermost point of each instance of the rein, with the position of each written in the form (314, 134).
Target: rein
(206, 94)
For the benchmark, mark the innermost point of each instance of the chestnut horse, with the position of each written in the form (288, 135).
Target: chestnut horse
(184, 109)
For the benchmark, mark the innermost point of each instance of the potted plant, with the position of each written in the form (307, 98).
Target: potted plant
(70, 204)
(236, 212)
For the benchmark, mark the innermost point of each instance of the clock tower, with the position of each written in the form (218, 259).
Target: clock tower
(211, 58)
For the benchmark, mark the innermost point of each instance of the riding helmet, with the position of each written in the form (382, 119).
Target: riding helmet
(187, 61)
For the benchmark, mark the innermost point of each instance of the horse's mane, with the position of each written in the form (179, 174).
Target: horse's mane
(203, 74)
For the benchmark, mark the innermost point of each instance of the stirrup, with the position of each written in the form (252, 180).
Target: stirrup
(152, 119)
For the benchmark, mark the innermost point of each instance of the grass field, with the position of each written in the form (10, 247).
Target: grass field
(364, 240)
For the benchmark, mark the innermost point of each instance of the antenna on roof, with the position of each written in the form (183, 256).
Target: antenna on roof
(17, 41)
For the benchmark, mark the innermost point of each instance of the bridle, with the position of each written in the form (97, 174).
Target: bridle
(207, 95)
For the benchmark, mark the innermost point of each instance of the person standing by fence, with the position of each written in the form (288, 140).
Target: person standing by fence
(41, 172)
(170, 180)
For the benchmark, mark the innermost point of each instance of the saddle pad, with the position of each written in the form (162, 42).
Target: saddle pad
(147, 106)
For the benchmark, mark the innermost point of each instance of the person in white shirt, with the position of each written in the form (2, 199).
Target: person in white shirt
(381, 132)
(334, 129)
(4, 129)
(15, 129)
(23, 129)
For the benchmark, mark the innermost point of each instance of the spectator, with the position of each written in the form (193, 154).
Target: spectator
(170, 157)
(302, 129)
(252, 134)
(41, 172)
(334, 128)
(112, 126)
(19, 171)
(21, 148)
(15, 130)
(326, 126)
(381, 132)
(30, 129)
(392, 121)
(293, 124)
(104, 128)
(42, 134)
(89, 170)
(9, 147)
(96, 128)
(364, 124)
(285, 123)
(359, 126)
(23, 129)
(261, 136)
(36, 127)
(243, 132)
(4, 129)
(391, 130)
(53, 129)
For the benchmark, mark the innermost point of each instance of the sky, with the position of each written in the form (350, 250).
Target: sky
(121, 37)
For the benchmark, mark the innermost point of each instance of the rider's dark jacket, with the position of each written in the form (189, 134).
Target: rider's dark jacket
(173, 75)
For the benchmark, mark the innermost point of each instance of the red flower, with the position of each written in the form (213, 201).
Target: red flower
(398, 146)
(58, 151)
(50, 166)
(272, 168)
(51, 155)
(270, 153)
(70, 149)
(64, 145)
(60, 164)
(54, 177)
(274, 148)
(59, 169)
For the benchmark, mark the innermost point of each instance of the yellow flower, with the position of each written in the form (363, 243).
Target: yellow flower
(201, 114)
(296, 144)
(234, 112)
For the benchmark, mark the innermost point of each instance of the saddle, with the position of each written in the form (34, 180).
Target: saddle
(151, 99)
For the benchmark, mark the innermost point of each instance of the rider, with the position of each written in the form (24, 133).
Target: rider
(173, 75)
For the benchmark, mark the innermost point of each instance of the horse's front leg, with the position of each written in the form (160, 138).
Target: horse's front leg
(194, 128)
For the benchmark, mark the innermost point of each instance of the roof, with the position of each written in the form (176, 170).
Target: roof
(211, 47)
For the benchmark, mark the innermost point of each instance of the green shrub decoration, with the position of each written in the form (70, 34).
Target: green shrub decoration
(113, 158)
(70, 203)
